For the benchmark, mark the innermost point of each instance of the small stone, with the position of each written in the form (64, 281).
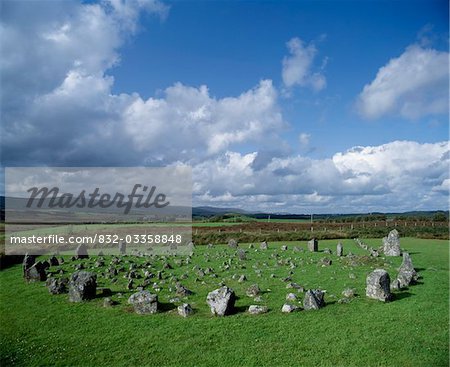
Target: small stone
(291, 297)
(253, 290)
(257, 309)
(185, 310)
(287, 308)
(314, 299)
(144, 302)
(264, 245)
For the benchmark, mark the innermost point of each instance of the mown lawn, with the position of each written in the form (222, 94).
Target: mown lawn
(38, 329)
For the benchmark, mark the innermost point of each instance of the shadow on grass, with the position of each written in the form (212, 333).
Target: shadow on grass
(165, 307)
(402, 295)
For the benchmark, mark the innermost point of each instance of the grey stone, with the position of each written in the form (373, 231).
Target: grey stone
(291, 297)
(108, 302)
(82, 286)
(36, 272)
(232, 243)
(182, 291)
(378, 285)
(57, 286)
(123, 248)
(144, 302)
(314, 299)
(257, 309)
(287, 308)
(284, 248)
(185, 310)
(264, 245)
(82, 252)
(407, 275)
(253, 290)
(391, 244)
(28, 262)
(339, 249)
(313, 245)
(221, 301)
(242, 278)
(348, 293)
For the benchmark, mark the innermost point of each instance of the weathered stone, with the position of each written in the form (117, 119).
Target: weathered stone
(257, 309)
(144, 302)
(253, 290)
(82, 252)
(395, 285)
(339, 250)
(182, 291)
(348, 293)
(232, 243)
(291, 297)
(28, 262)
(57, 286)
(185, 310)
(108, 302)
(287, 308)
(314, 299)
(221, 301)
(242, 278)
(242, 255)
(325, 262)
(378, 285)
(284, 248)
(123, 248)
(296, 286)
(407, 275)
(391, 244)
(82, 286)
(264, 245)
(36, 273)
(313, 245)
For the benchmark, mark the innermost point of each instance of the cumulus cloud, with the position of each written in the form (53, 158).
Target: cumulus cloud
(298, 66)
(401, 175)
(413, 85)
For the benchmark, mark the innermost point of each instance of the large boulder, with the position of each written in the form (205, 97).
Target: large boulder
(36, 272)
(391, 244)
(378, 285)
(144, 302)
(221, 301)
(313, 245)
(407, 275)
(82, 286)
(314, 299)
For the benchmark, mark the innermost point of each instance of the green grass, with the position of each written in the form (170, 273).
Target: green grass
(38, 329)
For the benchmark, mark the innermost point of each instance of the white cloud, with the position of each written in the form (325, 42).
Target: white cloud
(304, 138)
(413, 85)
(298, 66)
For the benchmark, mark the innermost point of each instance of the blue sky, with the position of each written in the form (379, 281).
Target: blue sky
(294, 106)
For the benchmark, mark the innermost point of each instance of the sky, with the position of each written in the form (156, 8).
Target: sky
(288, 106)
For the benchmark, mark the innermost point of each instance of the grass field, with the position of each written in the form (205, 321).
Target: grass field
(38, 329)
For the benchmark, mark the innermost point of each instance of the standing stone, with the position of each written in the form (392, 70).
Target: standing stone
(391, 244)
(144, 302)
(264, 245)
(123, 248)
(407, 275)
(82, 286)
(378, 285)
(314, 299)
(28, 262)
(221, 301)
(339, 250)
(313, 245)
(232, 243)
(81, 252)
(36, 272)
(185, 310)
(242, 255)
